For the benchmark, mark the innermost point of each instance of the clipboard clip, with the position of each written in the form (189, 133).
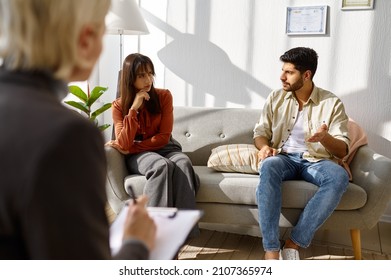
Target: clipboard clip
(164, 212)
(169, 216)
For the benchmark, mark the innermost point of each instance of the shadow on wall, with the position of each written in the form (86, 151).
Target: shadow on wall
(206, 67)
(209, 69)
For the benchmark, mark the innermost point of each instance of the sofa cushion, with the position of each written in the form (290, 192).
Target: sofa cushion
(241, 158)
(226, 187)
(239, 188)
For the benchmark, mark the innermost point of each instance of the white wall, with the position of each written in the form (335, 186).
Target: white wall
(225, 53)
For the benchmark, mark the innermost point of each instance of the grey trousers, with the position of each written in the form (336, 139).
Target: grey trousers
(171, 180)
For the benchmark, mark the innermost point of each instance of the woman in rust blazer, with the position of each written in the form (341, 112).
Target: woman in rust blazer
(143, 122)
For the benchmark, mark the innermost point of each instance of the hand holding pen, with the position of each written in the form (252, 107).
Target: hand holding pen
(138, 224)
(163, 211)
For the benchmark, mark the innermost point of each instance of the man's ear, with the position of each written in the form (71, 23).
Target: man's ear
(308, 75)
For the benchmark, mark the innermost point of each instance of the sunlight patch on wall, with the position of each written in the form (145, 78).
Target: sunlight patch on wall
(209, 100)
(385, 130)
(389, 67)
(234, 105)
(230, 28)
(346, 60)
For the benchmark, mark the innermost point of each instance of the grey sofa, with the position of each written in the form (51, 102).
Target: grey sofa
(228, 199)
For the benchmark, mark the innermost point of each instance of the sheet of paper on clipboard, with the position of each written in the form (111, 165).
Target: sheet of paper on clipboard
(173, 226)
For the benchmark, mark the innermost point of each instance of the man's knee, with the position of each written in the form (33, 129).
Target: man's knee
(341, 178)
(271, 165)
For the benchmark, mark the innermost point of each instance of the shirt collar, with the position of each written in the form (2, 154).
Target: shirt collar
(314, 97)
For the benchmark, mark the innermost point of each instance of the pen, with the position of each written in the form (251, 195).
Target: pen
(164, 212)
(132, 194)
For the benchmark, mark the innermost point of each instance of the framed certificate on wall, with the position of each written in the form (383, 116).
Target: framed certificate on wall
(357, 4)
(307, 20)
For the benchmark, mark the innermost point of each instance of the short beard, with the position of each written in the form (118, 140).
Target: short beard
(296, 86)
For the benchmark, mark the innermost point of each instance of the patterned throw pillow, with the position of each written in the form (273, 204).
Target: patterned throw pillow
(241, 158)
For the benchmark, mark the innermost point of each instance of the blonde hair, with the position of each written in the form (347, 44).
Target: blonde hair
(43, 34)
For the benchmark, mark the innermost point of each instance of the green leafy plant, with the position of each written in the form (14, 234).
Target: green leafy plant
(86, 102)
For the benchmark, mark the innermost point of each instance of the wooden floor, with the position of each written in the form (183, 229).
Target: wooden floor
(213, 245)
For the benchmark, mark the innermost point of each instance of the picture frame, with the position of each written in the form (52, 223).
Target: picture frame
(306, 20)
(357, 4)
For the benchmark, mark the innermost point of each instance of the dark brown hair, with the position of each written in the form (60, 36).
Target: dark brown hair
(133, 64)
(303, 58)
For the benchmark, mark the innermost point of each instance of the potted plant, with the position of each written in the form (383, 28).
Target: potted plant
(86, 102)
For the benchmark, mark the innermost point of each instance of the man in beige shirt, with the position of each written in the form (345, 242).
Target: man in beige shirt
(301, 134)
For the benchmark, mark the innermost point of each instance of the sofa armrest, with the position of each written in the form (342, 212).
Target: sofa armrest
(372, 172)
(116, 173)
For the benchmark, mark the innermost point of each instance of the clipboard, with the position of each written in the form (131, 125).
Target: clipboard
(173, 226)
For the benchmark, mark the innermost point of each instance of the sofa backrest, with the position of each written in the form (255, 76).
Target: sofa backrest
(201, 129)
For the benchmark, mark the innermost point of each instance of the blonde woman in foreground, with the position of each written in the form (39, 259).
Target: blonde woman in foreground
(52, 192)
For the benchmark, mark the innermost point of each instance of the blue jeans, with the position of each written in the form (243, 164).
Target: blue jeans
(331, 178)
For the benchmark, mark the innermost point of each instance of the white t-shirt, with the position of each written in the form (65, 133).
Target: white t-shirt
(296, 140)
